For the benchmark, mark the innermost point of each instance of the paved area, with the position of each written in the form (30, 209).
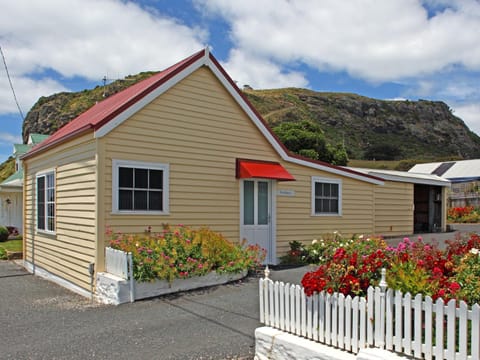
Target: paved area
(440, 238)
(40, 320)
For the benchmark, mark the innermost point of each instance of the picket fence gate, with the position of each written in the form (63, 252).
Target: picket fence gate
(388, 319)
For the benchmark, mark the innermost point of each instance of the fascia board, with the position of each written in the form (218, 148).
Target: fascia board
(412, 180)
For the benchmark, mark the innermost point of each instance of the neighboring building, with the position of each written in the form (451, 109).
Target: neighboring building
(464, 176)
(185, 147)
(11, 189)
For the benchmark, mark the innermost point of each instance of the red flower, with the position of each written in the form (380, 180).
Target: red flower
(454, 287)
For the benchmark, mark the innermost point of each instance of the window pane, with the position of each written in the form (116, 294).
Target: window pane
(51, 224)
(262, 203)
(248, 202)
(326, 190)
(156, 179)
(51, 210)
(51, 195)
(141, 178)
(125, 177)
(334, 206)
(335, 190)
(318, 189)
(41, 203)
(50, 181)
(140, 200)
(125, 200)
(155, 201)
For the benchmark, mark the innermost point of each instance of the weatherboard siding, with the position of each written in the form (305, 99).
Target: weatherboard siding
(199, 130)
(294, 213)
(394, 208)
(68, 252)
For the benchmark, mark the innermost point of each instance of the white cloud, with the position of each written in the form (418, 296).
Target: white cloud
(91, 38)
(7, 138)
(261, 73)
(374, 40)
(470, 114)
(27, 90)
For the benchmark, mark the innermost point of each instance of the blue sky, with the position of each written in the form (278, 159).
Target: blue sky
(396, 49)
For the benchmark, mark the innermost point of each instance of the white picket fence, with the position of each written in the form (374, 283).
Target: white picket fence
(416, 326)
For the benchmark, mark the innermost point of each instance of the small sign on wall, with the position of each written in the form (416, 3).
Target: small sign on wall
(286, 192)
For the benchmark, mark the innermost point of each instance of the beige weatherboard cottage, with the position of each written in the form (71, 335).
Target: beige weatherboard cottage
(185, 147)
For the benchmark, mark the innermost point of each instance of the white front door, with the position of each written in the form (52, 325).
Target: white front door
(256, 215)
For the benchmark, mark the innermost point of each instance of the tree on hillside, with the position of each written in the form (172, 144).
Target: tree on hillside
(307, 139)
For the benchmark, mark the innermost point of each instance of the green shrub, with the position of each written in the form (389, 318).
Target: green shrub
(3, 234)
(3, 254)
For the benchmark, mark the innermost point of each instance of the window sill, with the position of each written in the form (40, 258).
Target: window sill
(154, 213)
(46, 232)
(325, 214)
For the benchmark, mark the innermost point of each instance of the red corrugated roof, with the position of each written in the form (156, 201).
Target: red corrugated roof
(104, 111)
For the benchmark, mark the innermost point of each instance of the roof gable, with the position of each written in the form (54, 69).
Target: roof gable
(35, 139)
(113, 111)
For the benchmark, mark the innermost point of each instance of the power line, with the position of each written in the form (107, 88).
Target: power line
(11, 85)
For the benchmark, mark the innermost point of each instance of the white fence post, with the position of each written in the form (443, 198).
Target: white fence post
(130, 276)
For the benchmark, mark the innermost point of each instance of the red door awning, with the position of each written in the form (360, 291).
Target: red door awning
(262, 169)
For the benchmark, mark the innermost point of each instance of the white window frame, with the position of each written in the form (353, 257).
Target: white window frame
(316, 179)
(45, 174)
(116, 164)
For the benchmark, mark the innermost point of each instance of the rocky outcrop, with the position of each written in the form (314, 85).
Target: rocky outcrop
(411, 129)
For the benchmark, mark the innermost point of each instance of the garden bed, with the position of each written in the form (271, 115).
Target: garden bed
(114, 290)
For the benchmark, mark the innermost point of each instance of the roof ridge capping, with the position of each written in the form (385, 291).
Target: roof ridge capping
(106, 115)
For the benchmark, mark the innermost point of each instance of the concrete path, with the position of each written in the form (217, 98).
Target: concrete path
(440, 238)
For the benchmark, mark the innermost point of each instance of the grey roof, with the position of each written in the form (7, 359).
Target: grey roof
(404, 176)
(452, 170)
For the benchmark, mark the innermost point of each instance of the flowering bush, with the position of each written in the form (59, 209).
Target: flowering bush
(468, 276)
(412, 266)
(181, 252)
(296, 255)
(349, 268)
(466, 214)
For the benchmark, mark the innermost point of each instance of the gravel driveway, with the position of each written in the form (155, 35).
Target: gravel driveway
(40, 320)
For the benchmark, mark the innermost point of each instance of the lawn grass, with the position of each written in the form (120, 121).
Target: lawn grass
(12, 245)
